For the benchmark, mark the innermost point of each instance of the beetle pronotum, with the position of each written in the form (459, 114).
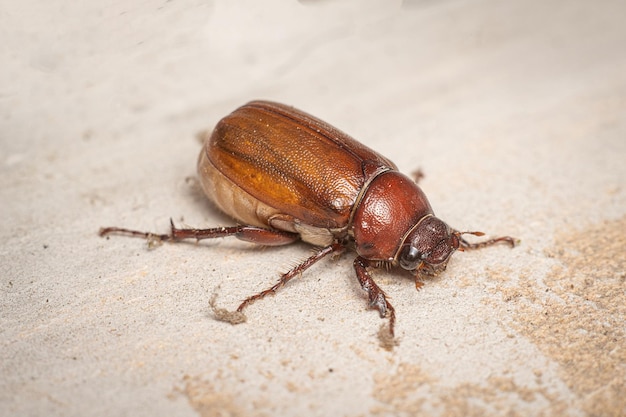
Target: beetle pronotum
(285, 176)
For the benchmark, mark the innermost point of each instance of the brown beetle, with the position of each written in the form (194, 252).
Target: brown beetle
(286, 175)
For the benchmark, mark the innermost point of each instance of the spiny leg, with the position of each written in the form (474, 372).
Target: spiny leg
(253, 234)
(286, 277)
(377, 297)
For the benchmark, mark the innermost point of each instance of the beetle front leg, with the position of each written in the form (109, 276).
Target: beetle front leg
(253, 234)
(377, 297)
(298, 269)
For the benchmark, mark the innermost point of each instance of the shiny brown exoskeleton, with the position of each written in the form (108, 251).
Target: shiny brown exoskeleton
(288, 176)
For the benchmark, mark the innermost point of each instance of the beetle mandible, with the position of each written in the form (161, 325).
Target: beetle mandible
(285, 176)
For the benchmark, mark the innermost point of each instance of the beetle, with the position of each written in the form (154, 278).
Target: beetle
(285, 176)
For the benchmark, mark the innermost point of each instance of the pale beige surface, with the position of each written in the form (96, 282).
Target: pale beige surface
(515, 111)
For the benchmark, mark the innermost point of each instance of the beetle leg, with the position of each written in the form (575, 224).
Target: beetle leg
(417, 175)
(104, 231)
(298, 269)
(253, 234)
(377, 297)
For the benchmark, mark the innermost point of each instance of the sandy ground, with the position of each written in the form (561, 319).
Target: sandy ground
(515, 111)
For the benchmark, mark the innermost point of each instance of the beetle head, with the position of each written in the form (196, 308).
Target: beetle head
(428, 247)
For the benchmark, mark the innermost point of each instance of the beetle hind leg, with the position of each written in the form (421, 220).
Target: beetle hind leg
(377, 297)
(297, 270)
(252, 234)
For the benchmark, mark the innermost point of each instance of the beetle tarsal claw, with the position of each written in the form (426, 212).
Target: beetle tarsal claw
(221, 314)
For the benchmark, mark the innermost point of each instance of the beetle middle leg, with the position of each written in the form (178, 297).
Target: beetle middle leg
(377, 297)
(298, 269)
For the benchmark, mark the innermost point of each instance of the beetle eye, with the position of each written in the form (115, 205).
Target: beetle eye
(410, 258)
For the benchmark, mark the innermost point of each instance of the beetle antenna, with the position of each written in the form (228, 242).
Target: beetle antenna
(464, 244)
(461, 243)
(471, 233)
